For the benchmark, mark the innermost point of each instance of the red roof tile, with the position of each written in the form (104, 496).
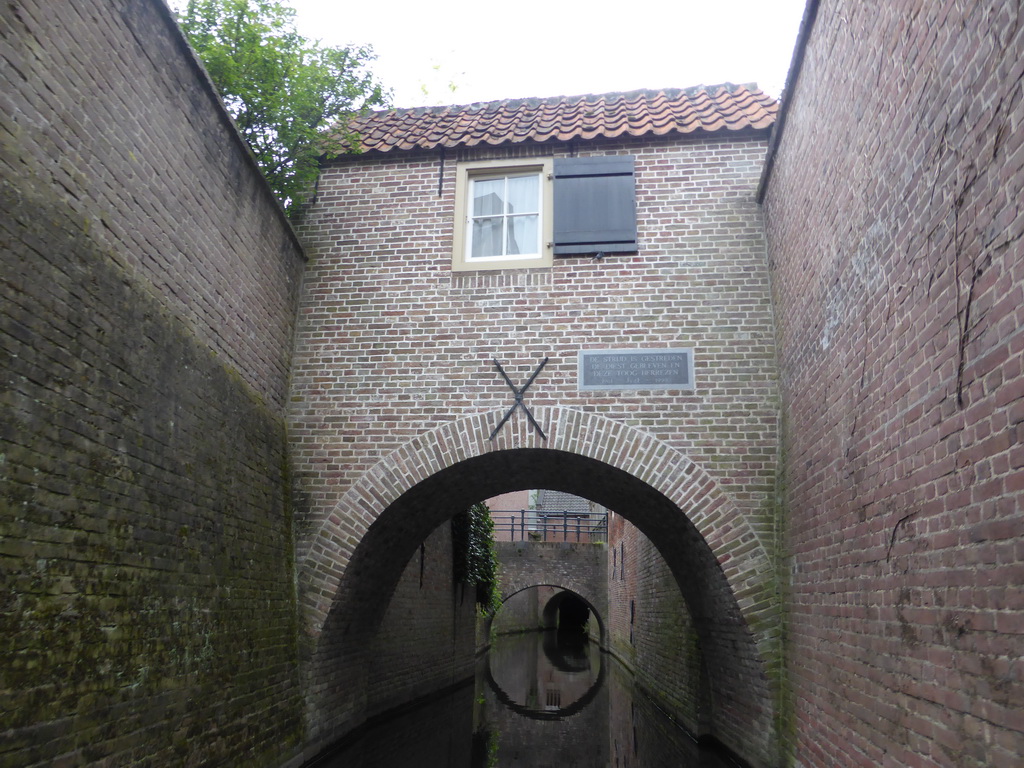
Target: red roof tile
(706, 109)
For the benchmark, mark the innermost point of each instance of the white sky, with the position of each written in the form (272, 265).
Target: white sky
(498, 50)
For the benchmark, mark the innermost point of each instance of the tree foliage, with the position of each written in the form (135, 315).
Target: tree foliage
(474, 558)
(282, 89)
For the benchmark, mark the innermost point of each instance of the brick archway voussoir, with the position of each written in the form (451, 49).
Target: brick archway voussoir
(740, 553)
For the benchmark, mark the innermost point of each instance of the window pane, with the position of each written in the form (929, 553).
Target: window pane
(487, 237)
(523, 192)
(487, 197)
(522, 234)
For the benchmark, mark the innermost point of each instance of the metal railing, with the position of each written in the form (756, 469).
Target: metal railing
(548, 525)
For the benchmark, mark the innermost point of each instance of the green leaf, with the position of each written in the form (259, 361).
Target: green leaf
(474, 555)
(282, 90)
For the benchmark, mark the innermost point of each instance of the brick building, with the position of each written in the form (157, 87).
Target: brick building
(835, 486)
(628, 227)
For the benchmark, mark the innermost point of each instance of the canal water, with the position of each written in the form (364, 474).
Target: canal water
(540, 701)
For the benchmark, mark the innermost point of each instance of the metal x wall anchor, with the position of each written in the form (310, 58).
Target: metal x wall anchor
(519, 399)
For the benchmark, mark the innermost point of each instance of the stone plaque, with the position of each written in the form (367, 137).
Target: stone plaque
(636, 369)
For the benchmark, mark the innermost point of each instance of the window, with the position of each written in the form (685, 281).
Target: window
(523, 213)
(503, 215)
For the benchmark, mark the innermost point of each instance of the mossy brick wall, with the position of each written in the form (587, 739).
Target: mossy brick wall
(148, 280)
(894, 224)
(651, 630)
(395, 393)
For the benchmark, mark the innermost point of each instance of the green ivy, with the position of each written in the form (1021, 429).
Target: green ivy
(474, 557)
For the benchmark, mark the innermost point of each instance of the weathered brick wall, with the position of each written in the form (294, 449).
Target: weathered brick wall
(393, 386)
(622, 582)
(522, 612)
(533, 610)
(391, 341)
(579, 568)
(894, 224)
(148, 287)
(427, 639)
(651, 630)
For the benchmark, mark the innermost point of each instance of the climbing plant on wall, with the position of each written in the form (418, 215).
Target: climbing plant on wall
(281, 88)
(474, 557)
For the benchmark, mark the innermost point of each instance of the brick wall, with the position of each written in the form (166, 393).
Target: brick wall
(522, 612)
(148, 286)
(651, 630)
(894, 225)
(427, 638)
(394, 393)
(410, 343)
(579, 568)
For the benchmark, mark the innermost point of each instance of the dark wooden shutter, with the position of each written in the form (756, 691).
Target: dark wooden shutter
(595, 205)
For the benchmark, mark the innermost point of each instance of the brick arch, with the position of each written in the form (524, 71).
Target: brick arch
(721, 567)
(590, 600)
(573, 589)
(737, 548)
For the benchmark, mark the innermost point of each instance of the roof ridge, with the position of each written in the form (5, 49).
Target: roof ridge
(537, 101)
(640, 112)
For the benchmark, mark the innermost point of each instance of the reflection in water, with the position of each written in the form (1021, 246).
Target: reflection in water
(558, 715)
(541, 701)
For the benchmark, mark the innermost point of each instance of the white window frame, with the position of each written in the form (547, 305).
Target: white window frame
(489, 169)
